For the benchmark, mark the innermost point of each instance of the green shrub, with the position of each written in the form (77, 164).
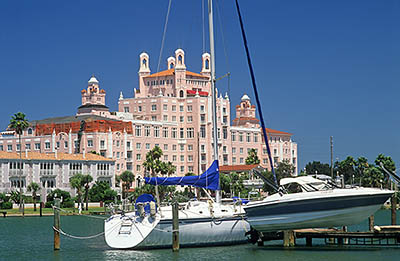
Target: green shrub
(60, 193)
(6, 205)
(67, 204)
(48, 204)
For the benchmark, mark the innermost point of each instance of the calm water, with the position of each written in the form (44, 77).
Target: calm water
(31, 238)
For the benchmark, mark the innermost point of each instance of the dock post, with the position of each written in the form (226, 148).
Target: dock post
(371, 223)
(23, 208)
(309, 241)
(175, 227)
(56, 224)
(393, 200)
(345, 240)
(41, 208)
(288, 238)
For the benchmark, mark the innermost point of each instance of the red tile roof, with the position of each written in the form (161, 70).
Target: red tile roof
(195, 74)
(237, 168)
(277, 132)
(162, 73)
(91, 126)
(246, 119)
(170, 72)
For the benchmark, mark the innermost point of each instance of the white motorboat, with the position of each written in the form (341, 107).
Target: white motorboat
(317, 205)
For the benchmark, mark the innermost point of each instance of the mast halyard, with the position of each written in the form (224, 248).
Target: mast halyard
(213, 88)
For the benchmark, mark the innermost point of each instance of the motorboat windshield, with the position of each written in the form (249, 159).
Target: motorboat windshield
(304, 184)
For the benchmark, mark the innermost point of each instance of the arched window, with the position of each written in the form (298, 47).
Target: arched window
(144, 62)
(207, 65)
(30, 131)
(181, 93)
(171, 65)
(180, 59)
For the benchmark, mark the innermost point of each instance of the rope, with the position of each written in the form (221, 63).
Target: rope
(164, 33)
(204, 34)
(76, 237)
(224, 46)
(253, 80)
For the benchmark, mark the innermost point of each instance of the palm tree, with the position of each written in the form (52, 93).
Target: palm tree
(127, 178)
(86, 179)
(34, 187)
(19, 123)
(252, 157)
(154, 165)
(76, 182)
(171, 168)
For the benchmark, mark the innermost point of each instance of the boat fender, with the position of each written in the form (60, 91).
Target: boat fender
(210, 207)
(152, 208)
(377, 229)
(141, 210)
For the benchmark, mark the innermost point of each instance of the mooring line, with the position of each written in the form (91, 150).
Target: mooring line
(76, 237)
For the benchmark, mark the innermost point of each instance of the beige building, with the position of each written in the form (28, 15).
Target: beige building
(51, 170)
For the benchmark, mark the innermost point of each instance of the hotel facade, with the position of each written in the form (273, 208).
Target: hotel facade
(51, 170)
(170, 109)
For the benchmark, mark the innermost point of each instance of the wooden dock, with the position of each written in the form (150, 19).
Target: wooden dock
(382, 235)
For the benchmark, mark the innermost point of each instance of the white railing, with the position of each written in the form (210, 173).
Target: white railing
(16, 172)
(104, 173)
(257, 183)
(46, 172)
(75, 171)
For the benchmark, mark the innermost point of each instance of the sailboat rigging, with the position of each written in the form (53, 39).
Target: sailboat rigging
(201, 223)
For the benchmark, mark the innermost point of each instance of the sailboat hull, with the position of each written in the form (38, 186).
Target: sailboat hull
(197, 233)
(332, 208)
(197, 227)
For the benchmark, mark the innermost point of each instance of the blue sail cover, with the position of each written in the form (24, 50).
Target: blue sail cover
(208, 180)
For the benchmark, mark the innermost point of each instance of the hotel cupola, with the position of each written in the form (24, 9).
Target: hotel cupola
(93, 99)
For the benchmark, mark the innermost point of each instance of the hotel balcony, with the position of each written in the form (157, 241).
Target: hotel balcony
(47, 172)
(104, 173)
(16, 173)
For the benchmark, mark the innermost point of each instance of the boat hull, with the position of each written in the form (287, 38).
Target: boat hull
(316, 210)
(199, 232)
(197, 227)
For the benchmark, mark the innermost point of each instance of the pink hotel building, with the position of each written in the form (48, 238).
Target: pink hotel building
(170, 109)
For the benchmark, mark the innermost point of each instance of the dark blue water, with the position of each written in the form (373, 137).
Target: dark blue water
(31, 238)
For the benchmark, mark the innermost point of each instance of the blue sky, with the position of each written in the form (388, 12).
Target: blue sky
(323, 68)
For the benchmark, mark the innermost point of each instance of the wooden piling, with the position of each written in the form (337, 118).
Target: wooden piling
(371, 223)
(393, 200)
(288, 238)
(308, 241)
(346, 240)
(41, 208)
(57, 224)
(175, 227)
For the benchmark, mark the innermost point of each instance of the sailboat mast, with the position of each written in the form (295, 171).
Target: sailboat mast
(213, 88)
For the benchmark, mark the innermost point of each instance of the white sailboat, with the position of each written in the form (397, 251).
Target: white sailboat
(200, 223)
